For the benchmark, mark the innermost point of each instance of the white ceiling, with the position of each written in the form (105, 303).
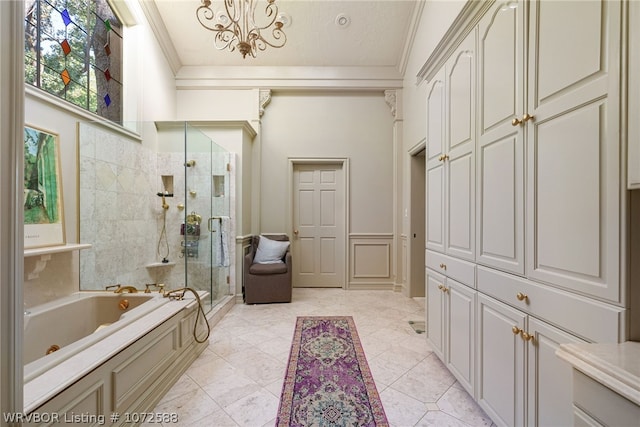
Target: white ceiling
(377, 36)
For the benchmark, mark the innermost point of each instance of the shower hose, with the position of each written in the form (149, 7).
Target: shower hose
(178, 294)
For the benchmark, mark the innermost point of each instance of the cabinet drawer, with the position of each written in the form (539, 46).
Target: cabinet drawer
(592, 320)
(457, 269)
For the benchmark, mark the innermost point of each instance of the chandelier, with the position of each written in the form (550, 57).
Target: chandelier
(236, 26)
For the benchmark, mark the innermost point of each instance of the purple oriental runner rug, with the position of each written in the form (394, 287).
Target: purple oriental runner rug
(328, 382)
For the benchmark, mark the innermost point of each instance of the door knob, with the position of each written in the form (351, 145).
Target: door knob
(295, 232)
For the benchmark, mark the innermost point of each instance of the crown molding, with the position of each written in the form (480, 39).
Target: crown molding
(411, 36)
(468, 17)
(284, 77)
(161, 34)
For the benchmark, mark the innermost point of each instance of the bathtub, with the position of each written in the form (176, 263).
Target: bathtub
(55, 331)
(105, 348)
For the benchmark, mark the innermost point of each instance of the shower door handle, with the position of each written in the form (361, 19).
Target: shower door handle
(211, 230)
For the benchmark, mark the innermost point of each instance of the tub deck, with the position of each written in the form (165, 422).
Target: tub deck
(43, 381)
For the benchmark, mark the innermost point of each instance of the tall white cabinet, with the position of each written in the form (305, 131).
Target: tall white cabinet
(526, 191)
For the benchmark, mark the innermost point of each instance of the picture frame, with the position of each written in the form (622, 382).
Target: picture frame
(43, 202)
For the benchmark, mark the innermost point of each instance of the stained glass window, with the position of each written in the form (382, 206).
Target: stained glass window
(73, 50)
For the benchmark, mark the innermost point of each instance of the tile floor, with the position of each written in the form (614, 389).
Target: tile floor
(238, 379)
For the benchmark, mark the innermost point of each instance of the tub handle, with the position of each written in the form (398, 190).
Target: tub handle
(54, 347)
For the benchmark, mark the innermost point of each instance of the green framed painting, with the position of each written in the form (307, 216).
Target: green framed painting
(43, 207)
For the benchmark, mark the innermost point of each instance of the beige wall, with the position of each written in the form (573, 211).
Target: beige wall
(344, 125)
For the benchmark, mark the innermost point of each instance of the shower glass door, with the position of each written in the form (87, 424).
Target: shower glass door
(206, 229)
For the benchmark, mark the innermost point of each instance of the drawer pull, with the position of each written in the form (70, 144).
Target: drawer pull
(522, 297)
(525, 336)
(516, 330)
(443, 266)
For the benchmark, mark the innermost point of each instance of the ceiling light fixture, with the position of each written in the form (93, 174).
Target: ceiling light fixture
(236, 26)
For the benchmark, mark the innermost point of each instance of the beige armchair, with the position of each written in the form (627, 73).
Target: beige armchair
(266, 283)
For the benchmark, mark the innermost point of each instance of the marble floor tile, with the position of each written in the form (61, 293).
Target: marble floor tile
(237, 380)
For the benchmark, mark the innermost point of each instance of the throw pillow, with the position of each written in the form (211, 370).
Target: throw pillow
(270, 251)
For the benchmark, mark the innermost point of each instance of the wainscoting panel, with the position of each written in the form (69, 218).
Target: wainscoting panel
(371, 261)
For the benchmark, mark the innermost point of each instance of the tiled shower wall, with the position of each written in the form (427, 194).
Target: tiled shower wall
(121, 215)
(118, 209)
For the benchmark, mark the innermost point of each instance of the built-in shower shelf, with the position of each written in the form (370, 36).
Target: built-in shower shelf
(45, 256)
(160, 264)
(56, 249)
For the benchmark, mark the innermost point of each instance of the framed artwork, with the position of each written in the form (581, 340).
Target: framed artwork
(43, 210)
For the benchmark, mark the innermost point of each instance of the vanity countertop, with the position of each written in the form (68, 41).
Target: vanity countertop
(615, 365)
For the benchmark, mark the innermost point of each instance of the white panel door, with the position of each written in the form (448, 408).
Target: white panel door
(435, 306)
(500, 198)
(550, 391)
(318, 221)
(435, 165)
(459, 158)
(573, 139)
(461, 320)
(500, 363)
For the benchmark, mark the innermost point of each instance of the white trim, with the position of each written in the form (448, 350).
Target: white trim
(161, 34)
(466, 20)
(411, 36)
(344, 162)
(418, 148)
(11, 208)
(59, 103)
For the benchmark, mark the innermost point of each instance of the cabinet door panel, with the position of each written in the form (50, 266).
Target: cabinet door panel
(567, 54)
(435, 312)
(500, 199)
(501, 369)
(550, 391)
(461, 327)
(461, 98)
(461, 122)
(435, 117)
(573, 157)
(460, 219)
(435, 207)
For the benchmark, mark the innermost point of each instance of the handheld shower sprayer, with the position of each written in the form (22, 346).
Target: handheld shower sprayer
(165, 206)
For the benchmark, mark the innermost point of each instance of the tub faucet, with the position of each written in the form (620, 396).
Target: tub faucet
(148, 287)
(119, 289)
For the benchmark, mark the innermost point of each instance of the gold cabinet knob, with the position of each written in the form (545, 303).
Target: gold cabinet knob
(296, 232)
(527, 117)
(440, 287)
(445, 290)
(522, 297)
(516, 330)
(525, 336)
(516, 122)
(443, 266)
(443, 157)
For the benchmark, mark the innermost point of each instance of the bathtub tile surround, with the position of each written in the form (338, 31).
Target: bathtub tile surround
(117, 201)
(237, 380)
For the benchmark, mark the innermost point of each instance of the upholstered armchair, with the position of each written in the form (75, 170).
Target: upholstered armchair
(267, 270)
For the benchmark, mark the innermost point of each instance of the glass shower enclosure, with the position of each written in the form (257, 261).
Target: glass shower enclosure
(206, 230)
(155, 211)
